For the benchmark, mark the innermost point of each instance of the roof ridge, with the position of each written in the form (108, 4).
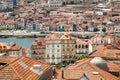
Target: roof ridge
(17, 58)
(84, 61)
(15, 71)
(35, 60)
(13, 68)
(4, 66)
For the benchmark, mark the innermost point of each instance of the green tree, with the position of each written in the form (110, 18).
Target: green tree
(95, 29)
(82, 56)
(104, 29)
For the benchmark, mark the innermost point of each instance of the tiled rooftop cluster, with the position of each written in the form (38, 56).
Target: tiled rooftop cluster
(74, 29)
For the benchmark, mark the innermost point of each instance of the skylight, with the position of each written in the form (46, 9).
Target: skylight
(21, 63)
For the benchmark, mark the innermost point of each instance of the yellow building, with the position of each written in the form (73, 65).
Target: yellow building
(68, 49)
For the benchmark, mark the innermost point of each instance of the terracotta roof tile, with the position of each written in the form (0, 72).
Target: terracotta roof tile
(52, 37)
(75, 71)
(38, 41)
(79, 41)
(6, 73)
(22, 65)
(106, 51)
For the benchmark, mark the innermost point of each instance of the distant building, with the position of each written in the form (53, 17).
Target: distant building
(31, 26)
(116, 6)
(43, 27)
(12, 50)
(3, 5)
(10, 3)
(38, 49)
(24, 68)
(106, 39)
(52, 4)
(82, 47)
(73, 1)
(116, 29)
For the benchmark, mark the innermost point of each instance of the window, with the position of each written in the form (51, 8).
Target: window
(72, 49)
(52, 50)
(86, 46)
(58, 50)
(68, 45)
(101, 41)
(79, 46)
(53, 56)
(67, 49)
(52, 45)
(57, 45)
(75, 46)
(34, 52)
(82, 46)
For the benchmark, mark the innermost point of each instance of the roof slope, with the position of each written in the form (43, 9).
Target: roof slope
(84, 66)
(6, 73)
(106, 51)
(22, 68)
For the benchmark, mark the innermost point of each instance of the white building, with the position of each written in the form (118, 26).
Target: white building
(52, 4)
(60, 49)
(116, 29)
(81, 47)
(53, 51)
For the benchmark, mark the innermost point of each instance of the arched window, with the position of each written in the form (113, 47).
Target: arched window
(86, 46)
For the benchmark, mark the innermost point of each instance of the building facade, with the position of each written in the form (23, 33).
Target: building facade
(82, 47)
(12, 50)
(60, 49)
(68, 51)
(53, 51)
(38, 49)
(52, 4)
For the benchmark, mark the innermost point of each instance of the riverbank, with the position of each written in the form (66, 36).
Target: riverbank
(20, 34)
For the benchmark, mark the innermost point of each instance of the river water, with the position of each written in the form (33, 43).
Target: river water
(24, 42)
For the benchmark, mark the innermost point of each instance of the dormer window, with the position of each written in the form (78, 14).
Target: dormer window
(84, 77)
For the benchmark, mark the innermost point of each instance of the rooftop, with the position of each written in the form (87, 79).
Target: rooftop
(20, 68)
(76, 71)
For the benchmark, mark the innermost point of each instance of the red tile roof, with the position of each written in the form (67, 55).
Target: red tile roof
(75, 71)
(21, 67)
(108, 51)
(38, 40)
(52, 36)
